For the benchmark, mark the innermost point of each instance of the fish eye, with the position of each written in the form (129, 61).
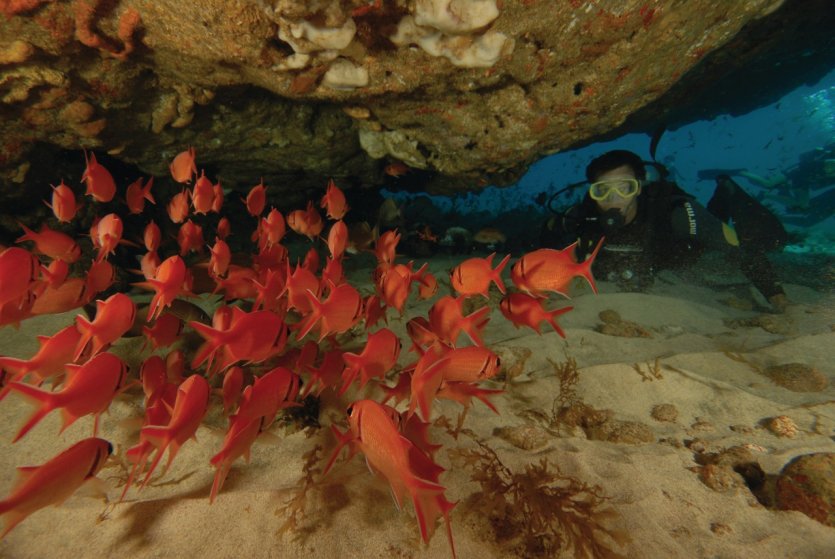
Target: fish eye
(350, 410)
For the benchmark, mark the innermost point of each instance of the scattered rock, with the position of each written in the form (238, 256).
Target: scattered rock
(664, 412)
(782, 426)
(526, 437)
(773, 324)
(614, 325)
(720, 529)
(807, 484)
(729, 468)
(797, 377)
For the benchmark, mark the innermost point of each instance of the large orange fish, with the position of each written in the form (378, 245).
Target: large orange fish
(337, 239)
(272, 228)
(169, 282)
(63, 203)
(152, 236)
(203, 194)
(447, 320)
(114, 317)
(183, 166)
(99, 181)
(473, 276)
(375, 433)
(336, 314)
(108, 234)
(273, 391)
(18, 270)
(178, 206)
(334, 201)
(239, 438)
(233, 384)
(54, 481)
(189, 408)
(547, 269)
(55, 351)
(52, 243)
(190, 238)
(376, 359)
(252, 337)
(89, 390)
(306, 222)
(136, 194)
(526, 310)
(256, 199)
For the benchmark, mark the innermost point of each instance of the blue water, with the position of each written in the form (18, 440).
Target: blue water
(764, 142)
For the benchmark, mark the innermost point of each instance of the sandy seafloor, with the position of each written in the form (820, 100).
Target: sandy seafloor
(654, 488)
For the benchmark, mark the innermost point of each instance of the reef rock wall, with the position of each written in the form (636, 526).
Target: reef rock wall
(471, 90)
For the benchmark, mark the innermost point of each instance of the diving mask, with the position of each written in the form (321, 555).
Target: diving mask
(623, 187)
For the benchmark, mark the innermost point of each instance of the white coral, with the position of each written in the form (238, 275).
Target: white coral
(344, 74)
(455, 16)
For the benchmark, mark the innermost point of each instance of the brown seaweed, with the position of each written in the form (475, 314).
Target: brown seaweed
(540, 511)
(294, 509)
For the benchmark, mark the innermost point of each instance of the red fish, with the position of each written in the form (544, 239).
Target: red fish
(334, 202)
(473, 276)
(269, 393)
(114, 317)
(220, 258)
(256, 199)
(233, 383)
(89, 390)
(190, 238)
(69, 295)
(272, 229)
(296, 287)
(251, 337)
(152, 236)
(239, 439)
(108, 234)
(136, 194)
(447, 320)
(54, 481)
(376, 359)
(326, 375)
(183, 166)
(336, 314)
(63, 203)
(203, 194)
(224, 228)
(386, 246)
(51, 243)
(99, 181)
(169, 282)
(374, 432)
(396, 169)
(164, 332)
(189, 408)
(178, 206)
(526, 310)
(306, 222)
(547, 269)
(217, 199)
(18, 270)
(100, 276)
(337, 239)
(55, 273)
(55, 351)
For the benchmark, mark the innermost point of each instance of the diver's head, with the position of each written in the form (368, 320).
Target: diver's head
(615, 182)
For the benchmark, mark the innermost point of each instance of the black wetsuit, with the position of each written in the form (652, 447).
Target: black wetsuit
(671, 229)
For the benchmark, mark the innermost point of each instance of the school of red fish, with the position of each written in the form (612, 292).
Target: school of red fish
(272, 343)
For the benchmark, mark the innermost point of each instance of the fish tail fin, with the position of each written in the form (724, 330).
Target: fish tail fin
(585, 267)
(312, 318)
(220, 476)
(28, 234)
(44, 400)
(159, 437)
(552, 319)
(13, 517)
(341, 440)
(213, 342)
(474, 322)
(496, 274)
(423, 493)
(146, 191)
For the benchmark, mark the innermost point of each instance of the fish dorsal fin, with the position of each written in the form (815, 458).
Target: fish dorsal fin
(24, 473)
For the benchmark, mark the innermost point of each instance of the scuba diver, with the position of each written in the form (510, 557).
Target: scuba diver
(654, 225)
